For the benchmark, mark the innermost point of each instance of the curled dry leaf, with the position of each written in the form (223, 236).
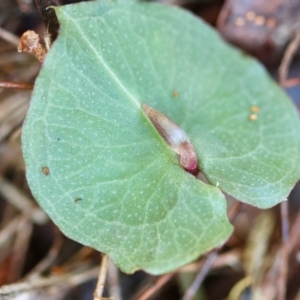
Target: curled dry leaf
(30, 42)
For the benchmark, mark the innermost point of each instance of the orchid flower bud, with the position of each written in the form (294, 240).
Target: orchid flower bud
(175, 137)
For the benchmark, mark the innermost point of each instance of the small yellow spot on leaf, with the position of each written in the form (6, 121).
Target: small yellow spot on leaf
(253, 117)
(175, 94)
(255, 109)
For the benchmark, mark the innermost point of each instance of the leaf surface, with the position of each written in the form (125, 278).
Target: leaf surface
(99, 168)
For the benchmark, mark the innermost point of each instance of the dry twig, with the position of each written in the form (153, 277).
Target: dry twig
(284, 251)
(9, 37)
(287, 58)
(19, 249)
(155, 287)
(16, 85)
(230, 258)
(294, 235)
(291, 82)
(71, 279)
(192, 290)
(101, 277)
(283, 73)
(50, 257)
(234, 210)
(113, 281)
(20, 201)
(9, 230)
(12, 112)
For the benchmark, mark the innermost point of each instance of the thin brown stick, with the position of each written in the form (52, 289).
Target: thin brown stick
(113, 281)
(9, 37)
(234, 210)
(155, 287)
(292, 82)
(12, 112)
(285, 222)
(283, 72)
(9, 230)
(16, 134)
(287, 58)
(50, 257)
(294, 235)
(71, 279)
(284, 251)
(19, 249)
(16, 85)
(230, 258)
(101, 278)
(82, 254)
(18, 199)
(192, 290)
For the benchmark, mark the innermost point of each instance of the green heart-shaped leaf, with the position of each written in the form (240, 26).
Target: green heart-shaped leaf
(99, 168)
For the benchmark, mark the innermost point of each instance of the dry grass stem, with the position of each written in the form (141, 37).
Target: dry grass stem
(192, 290)
(113, 281)
(22, 239)
(154, 287)
(16, 198)
(101, 277)
(47, 261)
(16, 85)
(287, 58)
(71, 279)
(9, 37)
